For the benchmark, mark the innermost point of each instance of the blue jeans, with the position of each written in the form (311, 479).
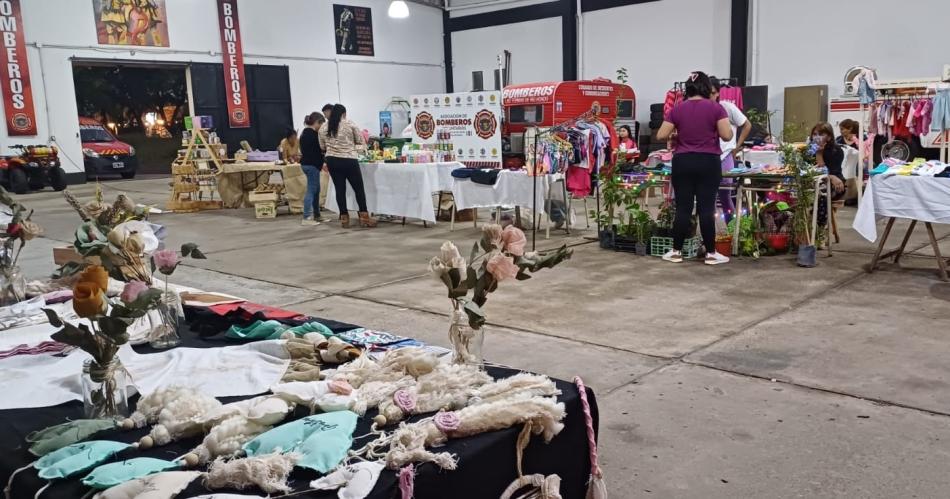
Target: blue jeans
(311, 200)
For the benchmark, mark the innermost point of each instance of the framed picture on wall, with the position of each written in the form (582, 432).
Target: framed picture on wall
(353, 28)
(131, 22)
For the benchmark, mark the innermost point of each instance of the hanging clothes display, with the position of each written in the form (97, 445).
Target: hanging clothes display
(731, 94)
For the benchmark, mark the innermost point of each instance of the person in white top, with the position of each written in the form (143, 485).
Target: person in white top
(741, 127)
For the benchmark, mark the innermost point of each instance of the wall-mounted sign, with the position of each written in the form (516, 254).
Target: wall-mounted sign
(235, 86)
(354, 30)
(469, 121)
(131, 22)
(15, 72)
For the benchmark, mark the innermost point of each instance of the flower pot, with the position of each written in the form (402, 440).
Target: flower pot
(807, 256)
(778, 242)
(606, 239)
(641, 249)
(724, 246)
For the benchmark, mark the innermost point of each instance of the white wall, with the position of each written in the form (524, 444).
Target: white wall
(295, 33)
(535, 48)
(813, 42)
(659, 43)
(462, 7)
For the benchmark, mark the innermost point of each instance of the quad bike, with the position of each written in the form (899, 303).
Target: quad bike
(35, 168)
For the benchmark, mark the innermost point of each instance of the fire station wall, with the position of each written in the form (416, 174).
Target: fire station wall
(535, 48)
(796, 49)
(659, 43)
(295, 33)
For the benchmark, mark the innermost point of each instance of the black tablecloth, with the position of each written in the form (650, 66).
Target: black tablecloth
(486, 461)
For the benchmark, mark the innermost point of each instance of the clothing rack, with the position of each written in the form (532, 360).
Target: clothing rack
(724, 82)
(896, 89)
(559, 127)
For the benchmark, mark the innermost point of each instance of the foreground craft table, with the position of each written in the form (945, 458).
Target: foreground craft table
(237, 179)
(486, 462)
(399, 189)
(918, 199)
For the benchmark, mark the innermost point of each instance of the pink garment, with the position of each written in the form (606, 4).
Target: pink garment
(731, 94)
(926, 114)
(578, 181)
(24, 349)
(673, 97)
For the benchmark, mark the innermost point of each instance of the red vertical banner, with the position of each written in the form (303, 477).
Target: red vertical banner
(15, 72)
(235, 86)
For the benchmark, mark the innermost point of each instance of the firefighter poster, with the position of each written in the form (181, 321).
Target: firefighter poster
(354, 30)
(131, 22)
(468, 122)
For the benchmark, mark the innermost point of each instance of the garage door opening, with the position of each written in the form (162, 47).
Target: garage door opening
(130, 117)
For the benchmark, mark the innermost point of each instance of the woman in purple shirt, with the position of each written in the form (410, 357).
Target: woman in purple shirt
(696, 125)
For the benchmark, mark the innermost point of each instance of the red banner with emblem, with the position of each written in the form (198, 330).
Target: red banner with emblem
(235, 86)
(15, 72)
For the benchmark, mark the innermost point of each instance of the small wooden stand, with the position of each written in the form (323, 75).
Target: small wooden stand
(194, 176)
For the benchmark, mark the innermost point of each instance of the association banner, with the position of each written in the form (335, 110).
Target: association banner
(15, 72)
(235, 85)
(354, 30)
(468, 121)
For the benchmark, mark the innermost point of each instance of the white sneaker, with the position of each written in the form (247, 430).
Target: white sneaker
(716, 258)
(673, 256)
(309, 221)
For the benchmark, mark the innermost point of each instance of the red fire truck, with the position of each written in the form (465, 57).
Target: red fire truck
(547, 104)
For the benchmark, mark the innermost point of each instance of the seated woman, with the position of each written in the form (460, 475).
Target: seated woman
(849, 134)
(829, 155)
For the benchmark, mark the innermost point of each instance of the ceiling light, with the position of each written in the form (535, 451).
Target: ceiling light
(398, 9)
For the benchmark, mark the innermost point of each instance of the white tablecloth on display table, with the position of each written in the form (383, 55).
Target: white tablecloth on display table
(926, 199)
(762, 157)
(399, 189)
(513, 188)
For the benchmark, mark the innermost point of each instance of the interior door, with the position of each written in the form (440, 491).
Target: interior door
(268, 89)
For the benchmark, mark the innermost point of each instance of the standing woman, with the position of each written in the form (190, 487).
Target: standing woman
(311, 160)
(699, 123)
(339, 139)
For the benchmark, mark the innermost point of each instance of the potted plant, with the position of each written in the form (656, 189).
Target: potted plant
(748, 241)
(803, 177)
(643, 228)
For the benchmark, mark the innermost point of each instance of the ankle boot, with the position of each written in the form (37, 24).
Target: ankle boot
(366, 220)
(345, 220)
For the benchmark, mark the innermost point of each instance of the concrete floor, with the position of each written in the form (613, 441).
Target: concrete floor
(755, 379)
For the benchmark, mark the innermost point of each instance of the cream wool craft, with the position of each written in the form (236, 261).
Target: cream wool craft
(226, 439)
(448, 386)
(408, 443)
(269, 472)
(394, 365)
(521, 384)
(149, 406)
(181, 417)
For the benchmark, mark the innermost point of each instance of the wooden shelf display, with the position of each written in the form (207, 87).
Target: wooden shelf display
(194, 175)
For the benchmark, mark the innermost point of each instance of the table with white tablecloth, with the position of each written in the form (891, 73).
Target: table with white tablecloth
(918, 199)
(399, 189)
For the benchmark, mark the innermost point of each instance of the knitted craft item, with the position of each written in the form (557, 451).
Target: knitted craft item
(149, 406)
(269, 472)
(181, 417)
(226, 439)
(394, 365)
(521, 384)
(540, 487)
(408, 443)
(447, 387)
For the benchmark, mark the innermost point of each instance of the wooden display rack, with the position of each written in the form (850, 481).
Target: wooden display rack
(194, 176)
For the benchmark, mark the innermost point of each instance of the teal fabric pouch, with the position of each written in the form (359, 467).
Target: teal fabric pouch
(109, 475)
(76, 458)
(322, 440)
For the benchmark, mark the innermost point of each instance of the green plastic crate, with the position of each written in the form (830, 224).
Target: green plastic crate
(660, 245)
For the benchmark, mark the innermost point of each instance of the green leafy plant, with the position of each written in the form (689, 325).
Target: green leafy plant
(622, 76)
(803, 176)
(640, 224)
(748, 242)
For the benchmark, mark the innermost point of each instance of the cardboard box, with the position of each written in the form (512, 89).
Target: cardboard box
(68, 254)
(265, 209)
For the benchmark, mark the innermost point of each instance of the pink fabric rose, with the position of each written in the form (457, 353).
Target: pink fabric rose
(166, 261)
(514, 240)
(502, 267)
(447, 421)
(405, 401)
(132, 290)
(340, 387)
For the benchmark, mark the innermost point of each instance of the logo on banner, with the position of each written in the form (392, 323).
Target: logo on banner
(485, 124)
(425, 125)
(21, 122)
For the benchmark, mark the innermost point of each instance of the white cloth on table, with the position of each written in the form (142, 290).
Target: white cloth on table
(756, 158)
(399, 189)
(926, 199)
(513, 188)
(45, 380)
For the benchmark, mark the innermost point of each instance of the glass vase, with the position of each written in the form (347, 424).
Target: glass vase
(466, 340)
(165, 335)
(12, 286)
(104, 390)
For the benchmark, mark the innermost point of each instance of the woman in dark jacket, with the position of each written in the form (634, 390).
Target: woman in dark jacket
(311, 161)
